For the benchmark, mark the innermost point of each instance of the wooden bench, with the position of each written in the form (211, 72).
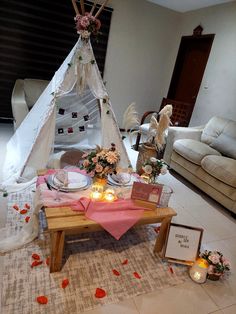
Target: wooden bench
(64, 221)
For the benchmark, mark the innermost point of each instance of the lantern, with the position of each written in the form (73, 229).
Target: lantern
(198, 272)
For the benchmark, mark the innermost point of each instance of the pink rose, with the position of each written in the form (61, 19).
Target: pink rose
(211, 269)
(85, 163)
(95, 160)
(214, 258)
(98, 168)
(84, 22)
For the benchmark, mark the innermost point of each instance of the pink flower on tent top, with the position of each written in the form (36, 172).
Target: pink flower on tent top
(84, 22)
(87, 24)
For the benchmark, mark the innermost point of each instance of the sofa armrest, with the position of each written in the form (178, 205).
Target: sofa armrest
(18, 103)
(175, 133)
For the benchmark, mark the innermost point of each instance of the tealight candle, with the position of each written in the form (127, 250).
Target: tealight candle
(97, 191)
(109, 195)
(198, 271)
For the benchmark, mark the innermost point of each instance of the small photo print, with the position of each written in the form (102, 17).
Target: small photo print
(74, 115)
(86, 118)
(81, 128)
(61, 111)
(60, 131)
(70, 130)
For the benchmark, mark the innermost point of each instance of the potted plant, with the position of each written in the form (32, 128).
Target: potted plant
(218, 264)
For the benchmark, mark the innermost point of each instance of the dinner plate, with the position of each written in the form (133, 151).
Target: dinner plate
(133, 179)
(76, 181)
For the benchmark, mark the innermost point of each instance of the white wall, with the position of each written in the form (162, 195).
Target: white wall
(217, 95)
(143, 44)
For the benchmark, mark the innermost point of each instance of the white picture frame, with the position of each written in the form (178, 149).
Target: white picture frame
(182, 244)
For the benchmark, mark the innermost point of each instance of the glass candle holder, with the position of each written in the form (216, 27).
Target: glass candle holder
(96, 192)
(198, 272)
(109, 195)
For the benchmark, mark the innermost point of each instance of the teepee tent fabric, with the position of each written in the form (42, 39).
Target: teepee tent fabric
(66, 115)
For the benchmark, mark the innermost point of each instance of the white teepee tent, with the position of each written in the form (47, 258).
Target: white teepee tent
(72, 111)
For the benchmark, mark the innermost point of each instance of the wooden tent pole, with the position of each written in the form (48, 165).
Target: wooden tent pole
(82, 6)
(93, 7)
(101, 8)
(75, 7)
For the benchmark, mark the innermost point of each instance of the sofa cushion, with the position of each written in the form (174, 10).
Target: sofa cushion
(225, 144)
(193, 151)
(203, 180)
(220, 167)
(215, 127)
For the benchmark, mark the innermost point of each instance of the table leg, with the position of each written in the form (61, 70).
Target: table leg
(57, 248)
(161, 237)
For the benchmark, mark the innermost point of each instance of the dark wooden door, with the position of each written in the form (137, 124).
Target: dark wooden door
(189, 68)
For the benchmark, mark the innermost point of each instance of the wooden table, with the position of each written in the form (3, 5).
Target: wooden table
(64, 221)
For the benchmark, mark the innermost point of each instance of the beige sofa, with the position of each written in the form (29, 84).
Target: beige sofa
(206, 156)
(24, 95)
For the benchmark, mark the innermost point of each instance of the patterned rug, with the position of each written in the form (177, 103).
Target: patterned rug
(91, 261)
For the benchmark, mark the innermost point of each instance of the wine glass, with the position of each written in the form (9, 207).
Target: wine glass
(124, 177)
(60, 180)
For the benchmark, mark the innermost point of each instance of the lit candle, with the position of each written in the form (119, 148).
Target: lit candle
(109, 195)
(97, 191)
(198, 271)
(96, 195)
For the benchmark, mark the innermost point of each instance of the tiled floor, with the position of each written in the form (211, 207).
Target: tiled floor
(196, 209)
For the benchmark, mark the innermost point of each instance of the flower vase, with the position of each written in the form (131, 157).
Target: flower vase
(100, 181)
(214, 277)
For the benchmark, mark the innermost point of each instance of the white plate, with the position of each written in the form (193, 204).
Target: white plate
(132, 180)
(76, 181)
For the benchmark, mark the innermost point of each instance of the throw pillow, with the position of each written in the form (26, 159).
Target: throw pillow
(225, 144)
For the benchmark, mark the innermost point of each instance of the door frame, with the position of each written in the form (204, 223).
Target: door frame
(180, 57)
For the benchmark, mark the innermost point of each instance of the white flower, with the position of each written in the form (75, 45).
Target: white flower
(153, 159)
(147, 169)
(164, 169)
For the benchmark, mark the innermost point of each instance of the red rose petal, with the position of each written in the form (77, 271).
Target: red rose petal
(36, 256)
(100, 293)
(27, 218)
(23, 211)
(65, 283)
(27, 206)
(115, 272)
(42, 299)
(157, 229)
(171, 269)
(48, 261)
(125, 262)
(16, 207)
(136, 275)
(36, 263)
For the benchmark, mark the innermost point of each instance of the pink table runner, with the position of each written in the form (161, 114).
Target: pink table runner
(116, 217)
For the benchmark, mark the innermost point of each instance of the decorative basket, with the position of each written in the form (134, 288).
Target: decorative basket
(213, 277)
(146, 150)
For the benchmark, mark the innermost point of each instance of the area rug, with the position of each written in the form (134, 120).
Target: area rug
(123, 269)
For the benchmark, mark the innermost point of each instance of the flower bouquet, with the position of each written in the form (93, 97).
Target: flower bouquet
(101, 162)
(218, 264)
(153, 167)
(87, 24)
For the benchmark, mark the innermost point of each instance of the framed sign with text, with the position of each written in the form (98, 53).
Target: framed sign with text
(182, 244)
(150, 193)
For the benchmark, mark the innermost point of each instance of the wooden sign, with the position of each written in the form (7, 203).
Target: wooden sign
(147, 193)
(182, 244)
